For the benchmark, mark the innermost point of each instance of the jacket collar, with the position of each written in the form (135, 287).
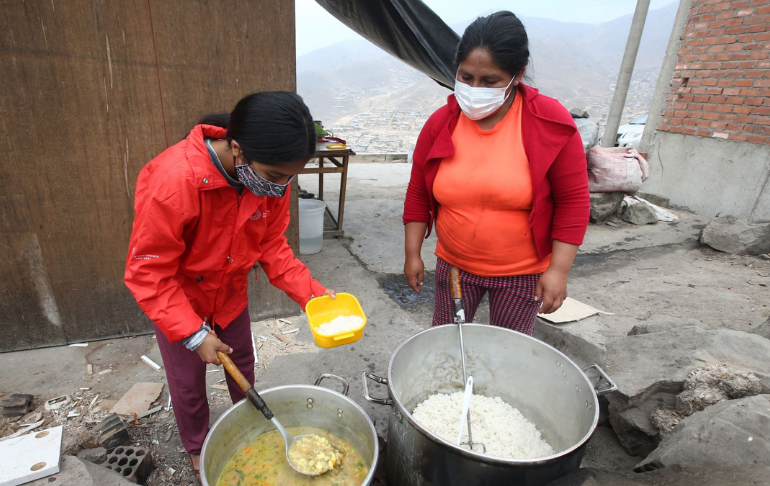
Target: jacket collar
(206, 174)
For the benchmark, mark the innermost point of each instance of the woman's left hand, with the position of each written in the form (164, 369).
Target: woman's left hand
(552, 290)
(331, 293)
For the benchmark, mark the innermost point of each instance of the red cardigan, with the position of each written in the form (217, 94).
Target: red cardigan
(560, 206)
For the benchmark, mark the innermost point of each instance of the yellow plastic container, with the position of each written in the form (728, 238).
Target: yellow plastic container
(325, 309)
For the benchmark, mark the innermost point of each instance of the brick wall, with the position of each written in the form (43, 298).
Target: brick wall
(721, 83)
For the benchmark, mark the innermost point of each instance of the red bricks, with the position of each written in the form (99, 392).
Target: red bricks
(721, 84)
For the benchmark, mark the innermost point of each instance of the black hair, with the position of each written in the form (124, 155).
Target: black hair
(272, 127)
(503, 35)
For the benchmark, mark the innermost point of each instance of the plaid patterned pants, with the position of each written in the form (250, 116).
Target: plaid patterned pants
(512, 301)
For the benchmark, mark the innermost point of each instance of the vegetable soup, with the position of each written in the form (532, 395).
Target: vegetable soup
(263, 463)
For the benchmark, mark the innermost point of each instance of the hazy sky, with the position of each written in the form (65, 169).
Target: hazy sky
(316, 28)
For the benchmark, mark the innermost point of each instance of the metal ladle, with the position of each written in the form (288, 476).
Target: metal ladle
(459, 318)
(260, 405)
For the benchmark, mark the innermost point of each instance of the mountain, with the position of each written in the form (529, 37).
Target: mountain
(574, 62)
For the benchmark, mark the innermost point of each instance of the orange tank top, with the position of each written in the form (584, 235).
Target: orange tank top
(485, 193)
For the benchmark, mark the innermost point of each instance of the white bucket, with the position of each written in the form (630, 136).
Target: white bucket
(311, 226)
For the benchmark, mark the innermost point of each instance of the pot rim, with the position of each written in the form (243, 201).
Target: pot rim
(372, 468)
(477, 456)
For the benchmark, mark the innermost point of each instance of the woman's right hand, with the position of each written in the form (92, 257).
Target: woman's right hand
(208, 350)
(414, 271)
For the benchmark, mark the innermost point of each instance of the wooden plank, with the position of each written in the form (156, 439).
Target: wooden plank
(90, 105)
(85, 108)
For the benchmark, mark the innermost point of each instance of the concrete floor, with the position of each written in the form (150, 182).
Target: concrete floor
(637, 273)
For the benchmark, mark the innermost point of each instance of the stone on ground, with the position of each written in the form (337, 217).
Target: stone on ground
(75, 472)
(577, 340)
(731, 433)
(604, 205)
(97, 455)
(650, 371)
(762, 330)
(639, 214)
(732, 235)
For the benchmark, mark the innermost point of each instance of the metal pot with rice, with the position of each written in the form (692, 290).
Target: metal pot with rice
(548, 388)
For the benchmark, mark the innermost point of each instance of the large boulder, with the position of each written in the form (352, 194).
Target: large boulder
(699, 475)
(604, 205)
(731, 433)
(589, 132)
(650, 370)
(732, 235)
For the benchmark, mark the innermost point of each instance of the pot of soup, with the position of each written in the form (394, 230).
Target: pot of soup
(244, 449)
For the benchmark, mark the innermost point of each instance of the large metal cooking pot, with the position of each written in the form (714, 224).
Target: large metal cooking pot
(546, 386)
(295, 406)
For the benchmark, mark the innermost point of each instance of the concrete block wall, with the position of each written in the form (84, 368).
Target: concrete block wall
(721, 84)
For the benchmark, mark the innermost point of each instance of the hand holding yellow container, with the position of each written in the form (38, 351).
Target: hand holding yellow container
(325, 314)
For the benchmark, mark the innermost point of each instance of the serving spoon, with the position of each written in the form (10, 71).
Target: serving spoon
(293, 444)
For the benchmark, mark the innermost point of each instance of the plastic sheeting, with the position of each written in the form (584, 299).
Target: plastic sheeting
(406, 29)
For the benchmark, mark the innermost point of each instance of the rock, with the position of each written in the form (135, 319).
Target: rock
(762, 330)
(639, 214)
(589, 132)
(578, 112)
(76, 439)
(596, 477)
(75, 472)
(650, 371)
(731, 433)
(575, 339)
(732, 235)
(661, 201)
(705, 387)
(604, 205)
(649, 327)
(96, 455)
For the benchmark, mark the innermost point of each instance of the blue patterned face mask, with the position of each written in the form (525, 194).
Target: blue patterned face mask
(257, 184)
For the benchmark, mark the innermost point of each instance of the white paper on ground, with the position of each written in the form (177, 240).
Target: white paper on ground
(571, 310)
(30, 457)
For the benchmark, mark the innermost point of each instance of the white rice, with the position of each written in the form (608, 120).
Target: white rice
(340, 324)
(500, 427)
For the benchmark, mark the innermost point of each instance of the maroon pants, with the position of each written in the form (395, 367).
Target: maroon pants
(186, 375)
(512, 301)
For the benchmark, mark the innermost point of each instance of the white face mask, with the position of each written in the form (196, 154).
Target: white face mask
(478, 103)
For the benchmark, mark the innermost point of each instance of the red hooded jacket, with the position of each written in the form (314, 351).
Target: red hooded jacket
(557, 161)
(194, 241)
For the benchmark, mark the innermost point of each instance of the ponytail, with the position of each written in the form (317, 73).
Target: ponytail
(220, 120)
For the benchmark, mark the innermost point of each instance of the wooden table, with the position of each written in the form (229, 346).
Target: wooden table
(339, 159)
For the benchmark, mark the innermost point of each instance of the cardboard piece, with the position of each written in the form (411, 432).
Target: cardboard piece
(138, 399)
(571, 310)
(29, 457)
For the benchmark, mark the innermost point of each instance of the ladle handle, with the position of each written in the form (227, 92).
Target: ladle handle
(457, 295)
(251, 393)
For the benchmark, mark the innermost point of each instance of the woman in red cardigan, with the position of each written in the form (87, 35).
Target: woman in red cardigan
(501, 171)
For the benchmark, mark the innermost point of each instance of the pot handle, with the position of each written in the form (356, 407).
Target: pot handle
(380, 380)
(345, 384)
(611, 386)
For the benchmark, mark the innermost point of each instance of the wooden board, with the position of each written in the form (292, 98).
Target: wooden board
(91, 92)
(29, 457)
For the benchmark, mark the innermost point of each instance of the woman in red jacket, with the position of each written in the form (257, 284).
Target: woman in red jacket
(208, 210)
(501, 171)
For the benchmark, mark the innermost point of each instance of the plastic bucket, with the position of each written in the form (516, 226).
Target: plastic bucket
(311, 226)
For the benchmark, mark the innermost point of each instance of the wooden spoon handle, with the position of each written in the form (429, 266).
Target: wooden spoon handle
(251, 393)
(454, 283)
(234, 371)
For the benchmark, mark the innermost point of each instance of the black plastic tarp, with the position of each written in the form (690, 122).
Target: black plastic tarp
(406, 29)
